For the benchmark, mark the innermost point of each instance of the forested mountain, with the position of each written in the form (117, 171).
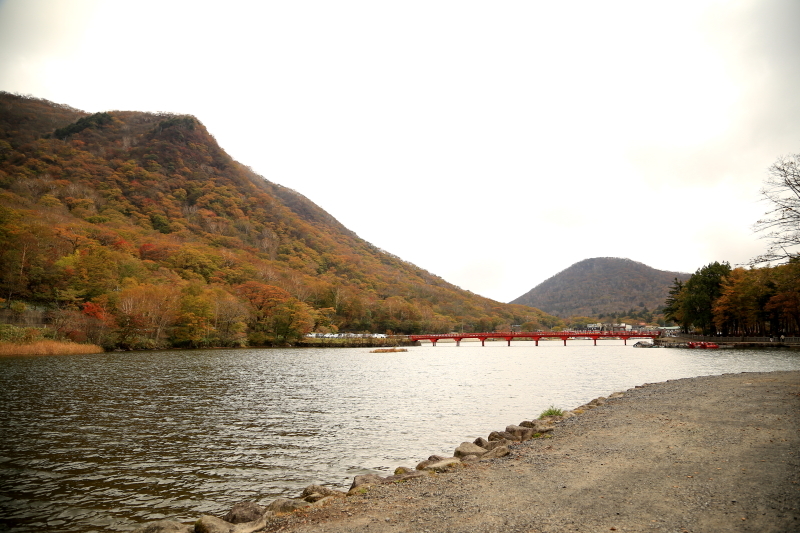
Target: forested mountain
(602, 286)
(136, 229)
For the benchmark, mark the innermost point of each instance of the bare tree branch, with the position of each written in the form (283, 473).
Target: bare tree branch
(781, 223)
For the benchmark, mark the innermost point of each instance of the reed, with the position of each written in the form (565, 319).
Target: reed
(47, 348)
(388, 350)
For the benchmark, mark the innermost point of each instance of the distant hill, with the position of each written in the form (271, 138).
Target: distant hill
(602, 286)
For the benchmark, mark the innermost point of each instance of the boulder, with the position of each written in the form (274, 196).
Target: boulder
(244, 512)
(497, 443)
(164, 526)
(402, 470)
(443, 466)
(429, 461)
(521, 433)
(314, 493)
(403, 477)
(498, 435)
(470, 458)
(212, 524)
(500, 451)
(366, 479)
(468, 448)
(286, 505)
(483, 443)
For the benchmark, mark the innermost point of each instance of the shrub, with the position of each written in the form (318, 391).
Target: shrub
(551, 411)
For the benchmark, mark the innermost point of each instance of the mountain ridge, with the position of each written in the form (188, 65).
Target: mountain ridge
(95, 206)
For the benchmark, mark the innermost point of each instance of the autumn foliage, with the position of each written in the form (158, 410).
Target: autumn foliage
(739, 302)
(137, 230)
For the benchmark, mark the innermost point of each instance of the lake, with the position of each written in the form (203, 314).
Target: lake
(108, 442)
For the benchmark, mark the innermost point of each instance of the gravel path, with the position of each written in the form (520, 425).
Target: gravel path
(718, 453)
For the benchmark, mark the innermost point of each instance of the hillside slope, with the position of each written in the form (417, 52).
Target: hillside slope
(102, 213)
(602, 286)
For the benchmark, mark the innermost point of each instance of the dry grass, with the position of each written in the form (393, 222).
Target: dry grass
(47, 348)
(388, 350)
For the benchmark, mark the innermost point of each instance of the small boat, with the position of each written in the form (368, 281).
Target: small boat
(643, 344)
(705, 345)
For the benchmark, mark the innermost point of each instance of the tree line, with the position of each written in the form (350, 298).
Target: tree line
(720, 300)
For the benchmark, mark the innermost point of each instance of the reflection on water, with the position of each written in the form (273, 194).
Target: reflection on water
(107, 442)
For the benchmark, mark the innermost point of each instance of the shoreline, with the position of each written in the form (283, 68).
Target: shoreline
(668, 456)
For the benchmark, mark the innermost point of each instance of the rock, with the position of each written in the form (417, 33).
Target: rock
(528, 424)
(497, 443)
(498, 435)
(429, 461)
(483, 443)
(616, 395)
(470, 458)
(366, 479)
(314, 493)
(403, 477)
(468, 448)
(521, 433)
(286, 505)
(212, 524)
(324, 500)
(402, 470)
(164, 526)
(500, 451)
(598, 401)
(443, 466)
(244, 512)
(568, 414)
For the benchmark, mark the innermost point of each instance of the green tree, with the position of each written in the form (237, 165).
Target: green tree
(702, 290)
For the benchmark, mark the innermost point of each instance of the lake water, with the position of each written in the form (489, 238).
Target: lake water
(107, 442)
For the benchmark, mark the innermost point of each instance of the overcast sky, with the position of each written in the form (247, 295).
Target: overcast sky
(492, 143)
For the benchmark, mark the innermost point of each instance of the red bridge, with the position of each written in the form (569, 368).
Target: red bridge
(536, 335)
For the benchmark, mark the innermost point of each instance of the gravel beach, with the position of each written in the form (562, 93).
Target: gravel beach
(706, 454)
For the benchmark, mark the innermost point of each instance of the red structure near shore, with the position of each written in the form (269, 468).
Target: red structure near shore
(536, 335)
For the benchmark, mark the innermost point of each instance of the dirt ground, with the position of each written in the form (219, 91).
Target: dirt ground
(707, 454)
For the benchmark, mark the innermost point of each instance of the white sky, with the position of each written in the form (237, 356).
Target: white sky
(491, 143)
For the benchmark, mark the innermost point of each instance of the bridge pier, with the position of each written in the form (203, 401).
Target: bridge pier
(483, 341)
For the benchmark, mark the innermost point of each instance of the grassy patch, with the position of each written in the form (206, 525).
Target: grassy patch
(47, 348)
(551, 411)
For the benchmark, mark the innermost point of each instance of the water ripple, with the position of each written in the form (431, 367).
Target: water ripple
(97, 443)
